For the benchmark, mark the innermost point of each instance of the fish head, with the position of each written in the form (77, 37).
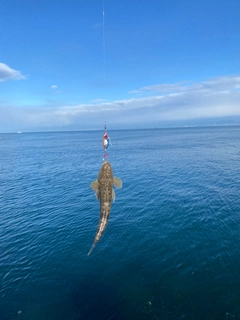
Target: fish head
(106, 166)
(105, 171)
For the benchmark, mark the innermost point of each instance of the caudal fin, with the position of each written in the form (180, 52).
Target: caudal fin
(91, 249)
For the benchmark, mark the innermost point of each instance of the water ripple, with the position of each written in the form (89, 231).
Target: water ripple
(171, 247)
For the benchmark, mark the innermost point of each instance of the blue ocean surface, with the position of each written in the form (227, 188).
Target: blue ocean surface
(171, 249)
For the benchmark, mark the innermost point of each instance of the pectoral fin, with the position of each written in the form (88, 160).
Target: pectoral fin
(94, 185)
(117, 182)
(113, 195)
(97, 194)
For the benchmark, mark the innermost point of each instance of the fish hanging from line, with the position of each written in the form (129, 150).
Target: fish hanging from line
(103, 187)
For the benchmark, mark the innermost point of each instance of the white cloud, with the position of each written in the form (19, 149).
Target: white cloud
(7, 73)
(53, 87)
(163, 88)
(224, 83)
(214, 98)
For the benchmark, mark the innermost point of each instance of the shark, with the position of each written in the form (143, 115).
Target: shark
(105, 193)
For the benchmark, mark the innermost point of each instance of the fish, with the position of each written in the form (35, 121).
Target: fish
(105, 193)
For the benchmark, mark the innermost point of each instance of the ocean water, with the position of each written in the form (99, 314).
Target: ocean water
(171, 249)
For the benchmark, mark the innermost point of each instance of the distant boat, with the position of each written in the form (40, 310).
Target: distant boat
(19, 132)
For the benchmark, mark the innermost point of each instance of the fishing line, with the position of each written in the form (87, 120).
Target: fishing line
(104, 43)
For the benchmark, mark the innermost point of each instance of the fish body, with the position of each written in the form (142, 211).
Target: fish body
(103, 187)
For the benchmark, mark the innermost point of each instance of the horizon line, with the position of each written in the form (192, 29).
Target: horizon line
(128, 129)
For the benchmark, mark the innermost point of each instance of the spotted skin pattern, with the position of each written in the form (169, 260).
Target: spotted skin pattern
(105, 194)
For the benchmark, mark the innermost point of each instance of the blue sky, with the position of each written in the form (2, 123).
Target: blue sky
(151, 63)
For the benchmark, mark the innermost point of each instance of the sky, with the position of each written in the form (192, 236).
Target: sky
(75, 65)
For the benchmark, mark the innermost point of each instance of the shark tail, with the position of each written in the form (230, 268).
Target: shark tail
(91, 249)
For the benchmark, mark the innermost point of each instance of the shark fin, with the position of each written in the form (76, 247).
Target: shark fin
(94, 185)
(117, 182)
(113, 195)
